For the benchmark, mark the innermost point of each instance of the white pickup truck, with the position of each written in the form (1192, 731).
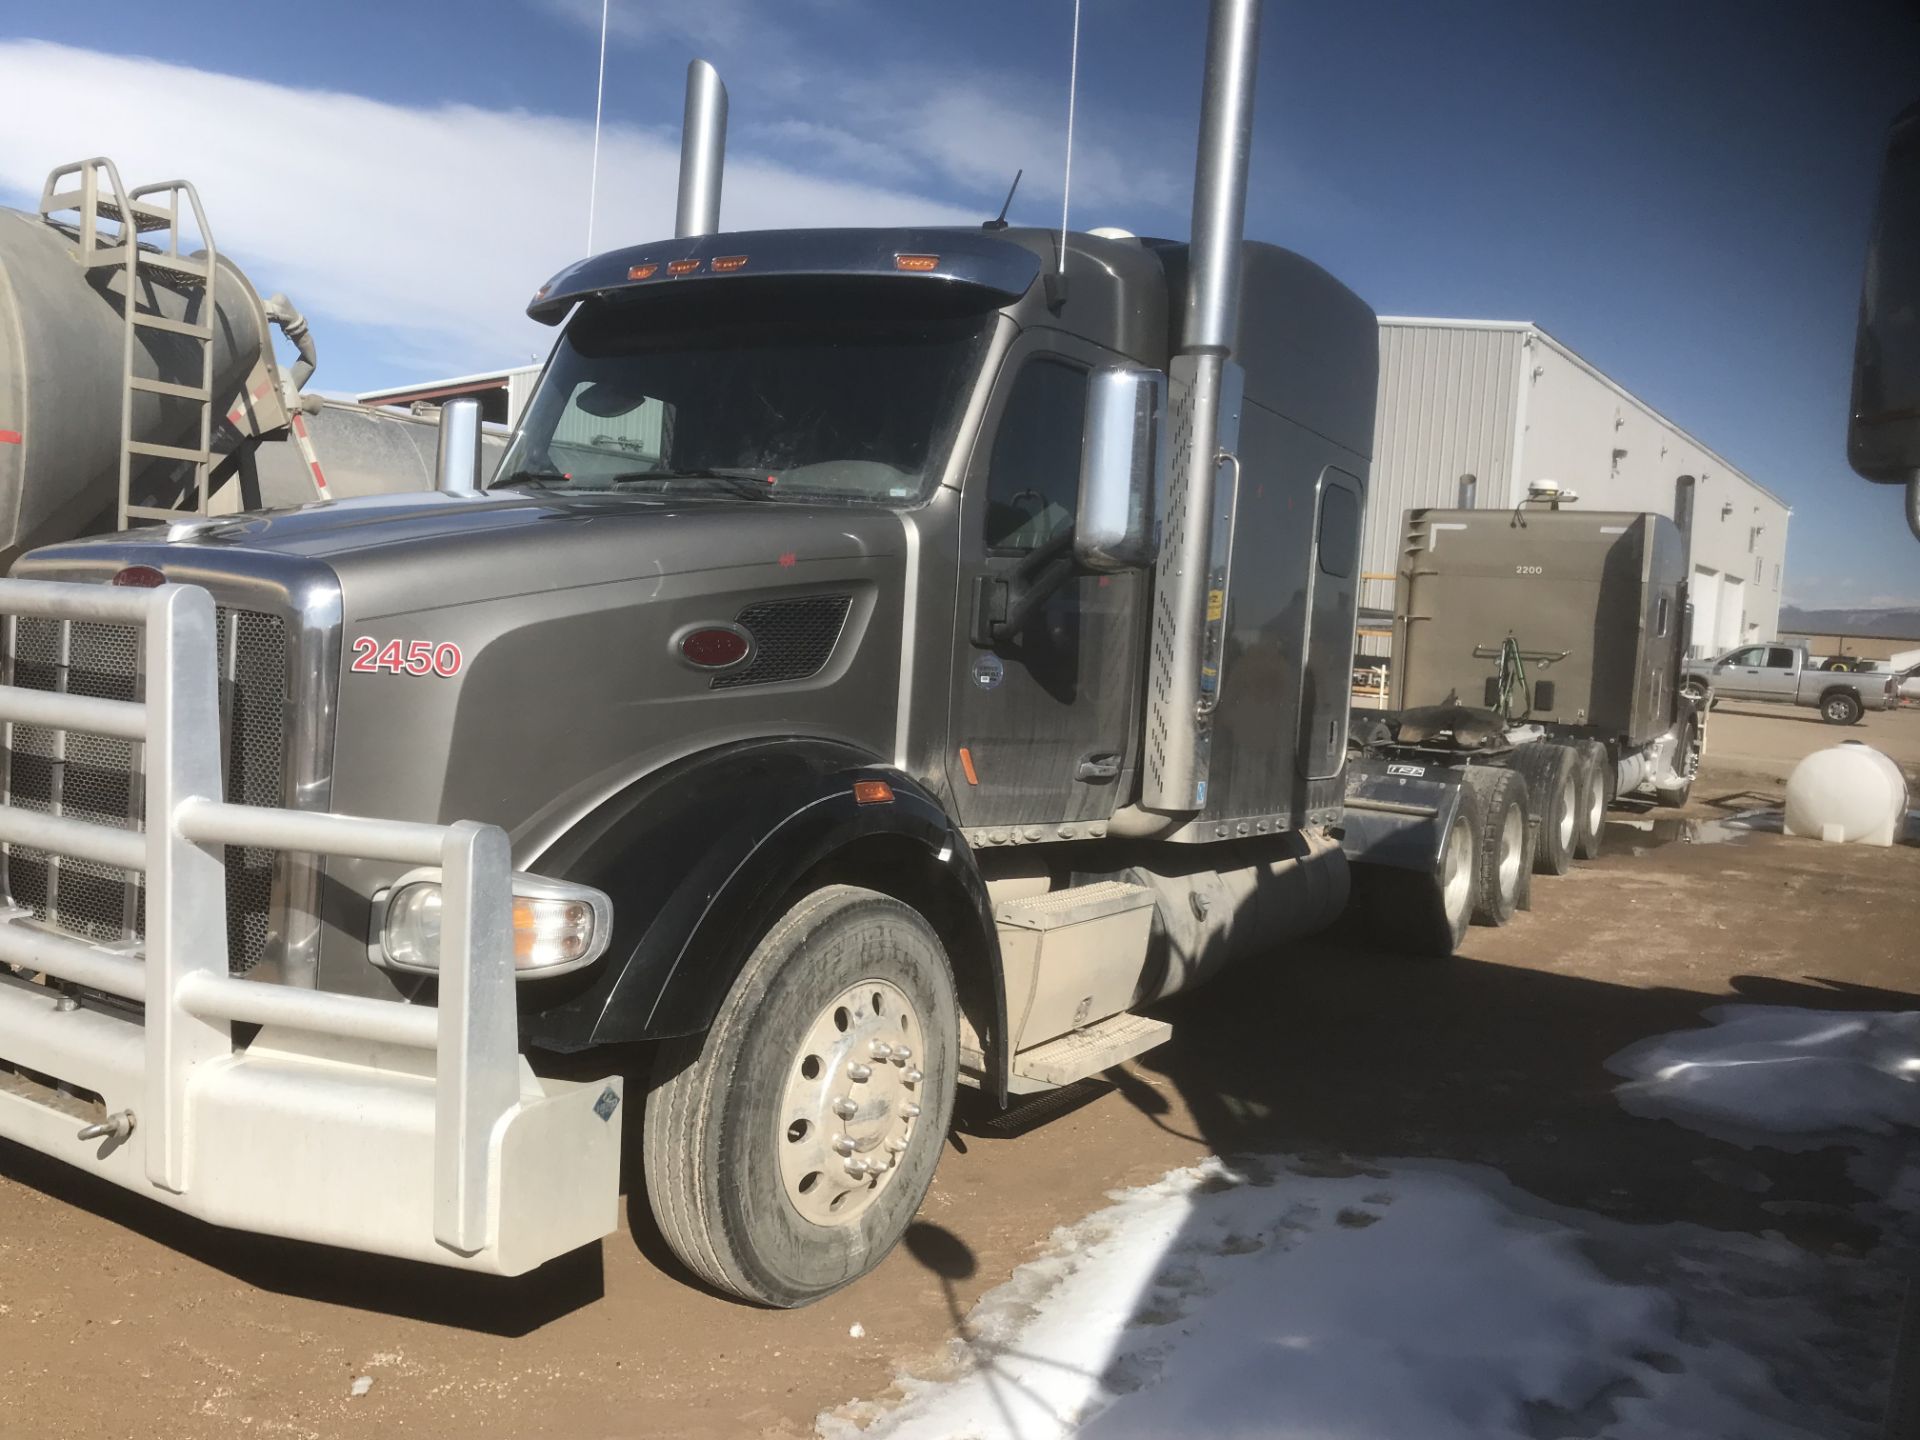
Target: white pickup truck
(1786, 675)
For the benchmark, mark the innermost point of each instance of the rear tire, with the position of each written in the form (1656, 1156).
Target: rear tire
(1552, 773)
(762, 1203)
(1596, 779)
(1841, 707)
(1418, 913)
(1501, 862)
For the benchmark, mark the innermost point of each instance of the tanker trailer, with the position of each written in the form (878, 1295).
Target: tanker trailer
(174, 407)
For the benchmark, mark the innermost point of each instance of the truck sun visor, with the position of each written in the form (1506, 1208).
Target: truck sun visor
(998, 267)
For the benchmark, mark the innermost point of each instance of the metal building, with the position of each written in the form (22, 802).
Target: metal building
(1473, 412)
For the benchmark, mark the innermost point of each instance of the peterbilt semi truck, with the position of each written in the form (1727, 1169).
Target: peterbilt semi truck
(954, 665)
(1538, 673)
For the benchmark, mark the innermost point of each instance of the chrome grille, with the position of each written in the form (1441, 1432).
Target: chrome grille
(100, 779)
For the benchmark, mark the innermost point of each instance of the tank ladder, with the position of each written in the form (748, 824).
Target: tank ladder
(149, 210)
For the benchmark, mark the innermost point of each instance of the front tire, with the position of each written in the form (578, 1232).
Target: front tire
(787, 1150)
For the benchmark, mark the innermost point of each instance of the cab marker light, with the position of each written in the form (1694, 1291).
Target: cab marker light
(916, 262)
(682, 267)
(872, 792)
(641, 272)
(729, 262)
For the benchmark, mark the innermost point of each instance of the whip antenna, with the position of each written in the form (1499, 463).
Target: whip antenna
(599, 98)
(1066, 183)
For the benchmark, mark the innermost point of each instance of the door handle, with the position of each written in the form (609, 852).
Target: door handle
(1098, 767)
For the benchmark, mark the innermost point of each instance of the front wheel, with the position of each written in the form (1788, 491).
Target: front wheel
(1840, 707)
(787, 1150)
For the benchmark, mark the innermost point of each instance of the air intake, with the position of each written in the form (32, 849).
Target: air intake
(792, 639)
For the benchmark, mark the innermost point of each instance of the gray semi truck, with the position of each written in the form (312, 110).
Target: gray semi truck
(885, 661)
(1539, 664)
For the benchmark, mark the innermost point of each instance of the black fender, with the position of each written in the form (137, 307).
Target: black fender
(1398, 811)
(701, 858)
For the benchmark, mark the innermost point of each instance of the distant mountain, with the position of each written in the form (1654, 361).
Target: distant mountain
(1896, 623)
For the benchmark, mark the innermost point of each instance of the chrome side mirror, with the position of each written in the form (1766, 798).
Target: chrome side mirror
(1123, 471)
(457, 466)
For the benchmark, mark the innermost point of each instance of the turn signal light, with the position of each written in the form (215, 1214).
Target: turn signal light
(139, 577)
(916, 262)
(872, 792)
(682, 267)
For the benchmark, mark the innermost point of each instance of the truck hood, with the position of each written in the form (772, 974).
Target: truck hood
(424, 551)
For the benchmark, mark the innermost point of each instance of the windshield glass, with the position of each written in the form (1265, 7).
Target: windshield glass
(816, 390)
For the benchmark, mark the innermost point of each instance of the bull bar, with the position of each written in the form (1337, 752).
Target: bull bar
(374, 1124)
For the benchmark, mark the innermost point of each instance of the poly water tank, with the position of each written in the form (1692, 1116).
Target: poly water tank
(1850, 792)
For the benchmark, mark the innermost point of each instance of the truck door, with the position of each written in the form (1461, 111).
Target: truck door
(1779, 677)
(1040, 721)
(1737, 676)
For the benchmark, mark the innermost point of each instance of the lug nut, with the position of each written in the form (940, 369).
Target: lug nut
(896, 1145)
(881, 1050)
(910, 1110)
(857, 1072)
(857, 1169)
(902, 1054)
(842, 1145)
(912, 1077)
(845, 1108)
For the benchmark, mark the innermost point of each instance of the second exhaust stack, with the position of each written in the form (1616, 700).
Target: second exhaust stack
(703, 152)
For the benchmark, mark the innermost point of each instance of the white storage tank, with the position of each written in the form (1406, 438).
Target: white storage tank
(1847, 793)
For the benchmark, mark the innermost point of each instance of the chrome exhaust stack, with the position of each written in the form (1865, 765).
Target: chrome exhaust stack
(703, 152)
(1190, 592)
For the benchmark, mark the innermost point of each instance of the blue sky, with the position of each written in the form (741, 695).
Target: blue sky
(1678, 191)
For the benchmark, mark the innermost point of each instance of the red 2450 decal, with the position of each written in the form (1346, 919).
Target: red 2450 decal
(412, 657)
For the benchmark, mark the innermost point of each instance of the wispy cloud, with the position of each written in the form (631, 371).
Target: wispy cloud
(430, 225)
(962, 128)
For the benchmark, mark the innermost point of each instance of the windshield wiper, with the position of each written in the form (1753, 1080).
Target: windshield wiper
(753, 483)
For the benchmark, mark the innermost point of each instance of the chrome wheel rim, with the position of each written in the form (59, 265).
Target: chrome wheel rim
(1456, 876)
(1836, 709)
(1512, 838)
(1569, 813)
(1596, 803)
(852, 1103)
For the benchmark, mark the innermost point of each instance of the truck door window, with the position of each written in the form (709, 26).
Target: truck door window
(1753, 655)
(1779, 658)
(1339, 531)
(1033, 475)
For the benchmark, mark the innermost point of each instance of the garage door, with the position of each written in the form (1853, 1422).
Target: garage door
(1728, 627)
(1705, 595)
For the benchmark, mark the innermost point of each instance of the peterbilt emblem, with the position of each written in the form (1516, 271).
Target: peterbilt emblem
(713, 645)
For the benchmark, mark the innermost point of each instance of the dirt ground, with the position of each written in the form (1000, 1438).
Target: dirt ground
(118, 1318)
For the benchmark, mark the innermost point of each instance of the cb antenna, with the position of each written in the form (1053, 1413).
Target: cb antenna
(999, 222)
(1066, 183)
(599, 99)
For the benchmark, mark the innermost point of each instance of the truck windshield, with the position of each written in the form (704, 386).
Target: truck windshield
(771, 389)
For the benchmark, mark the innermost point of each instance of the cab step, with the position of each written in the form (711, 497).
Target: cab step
(1080, 1053)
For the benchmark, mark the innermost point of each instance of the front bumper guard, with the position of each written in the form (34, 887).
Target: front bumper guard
(376, 1125)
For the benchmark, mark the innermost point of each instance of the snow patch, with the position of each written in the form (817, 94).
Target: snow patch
(1779, 1076)
(1308, 1302)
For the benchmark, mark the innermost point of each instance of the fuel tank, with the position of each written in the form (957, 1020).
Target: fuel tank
(62, 334)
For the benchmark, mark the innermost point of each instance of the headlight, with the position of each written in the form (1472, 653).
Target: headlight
(556, 926)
